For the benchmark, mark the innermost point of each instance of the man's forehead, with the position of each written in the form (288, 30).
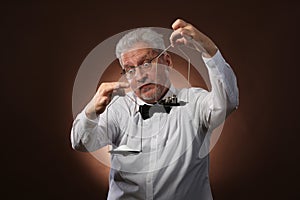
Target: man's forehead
(138, 47)
(136, 53)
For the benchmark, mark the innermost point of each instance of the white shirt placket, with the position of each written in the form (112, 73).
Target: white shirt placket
(154, 130)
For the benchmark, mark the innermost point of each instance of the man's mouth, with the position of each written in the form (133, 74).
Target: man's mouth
(147, 87)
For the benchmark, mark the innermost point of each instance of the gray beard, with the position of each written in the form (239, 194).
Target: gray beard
(154, 96)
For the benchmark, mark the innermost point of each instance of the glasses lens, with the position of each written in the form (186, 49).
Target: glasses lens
(130, 73)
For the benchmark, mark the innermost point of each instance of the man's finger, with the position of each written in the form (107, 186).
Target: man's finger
(121, 85)
(187, 34)
(179, 23)
(175, 36)
(107, 88)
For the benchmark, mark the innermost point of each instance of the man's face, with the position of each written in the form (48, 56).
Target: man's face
(149, 85)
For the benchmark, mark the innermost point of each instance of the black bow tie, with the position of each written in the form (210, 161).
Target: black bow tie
(147, 111)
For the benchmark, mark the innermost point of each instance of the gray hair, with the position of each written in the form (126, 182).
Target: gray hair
(139, 35)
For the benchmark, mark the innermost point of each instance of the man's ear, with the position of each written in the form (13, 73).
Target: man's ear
(168, 59)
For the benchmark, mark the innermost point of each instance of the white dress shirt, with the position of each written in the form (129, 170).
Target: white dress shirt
(174, 160)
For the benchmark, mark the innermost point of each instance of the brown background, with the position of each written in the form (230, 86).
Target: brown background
(44, 44)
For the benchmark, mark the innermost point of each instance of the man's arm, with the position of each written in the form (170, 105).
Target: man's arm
(91, 126)
(223, 97)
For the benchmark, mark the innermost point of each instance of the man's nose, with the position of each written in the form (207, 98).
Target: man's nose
(140, 75)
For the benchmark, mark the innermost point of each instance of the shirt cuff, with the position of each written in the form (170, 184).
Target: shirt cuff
(215, 61)
(87, 122)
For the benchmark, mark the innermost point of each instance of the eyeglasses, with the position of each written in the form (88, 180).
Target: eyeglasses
(130, 72)
(145, 67)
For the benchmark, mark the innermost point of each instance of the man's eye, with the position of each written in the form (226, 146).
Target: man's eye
(146, 64)
(131, 71)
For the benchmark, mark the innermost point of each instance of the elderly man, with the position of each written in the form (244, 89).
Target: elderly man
(171, 163)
